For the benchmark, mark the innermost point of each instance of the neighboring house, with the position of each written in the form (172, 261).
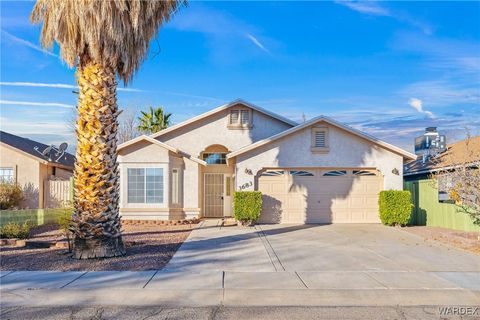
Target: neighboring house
(320, 171)
(429, 208)
(21, 163)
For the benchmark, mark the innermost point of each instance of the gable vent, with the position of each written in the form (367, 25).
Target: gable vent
(320, 139)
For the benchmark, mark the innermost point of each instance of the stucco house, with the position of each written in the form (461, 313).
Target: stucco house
(21, 163)
(319, 171)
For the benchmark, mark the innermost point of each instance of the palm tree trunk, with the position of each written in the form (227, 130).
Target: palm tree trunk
(96, 220)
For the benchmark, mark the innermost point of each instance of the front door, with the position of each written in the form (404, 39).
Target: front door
(214, 194)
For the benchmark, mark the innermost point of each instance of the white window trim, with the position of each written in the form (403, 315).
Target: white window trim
(239, 124)
(124, 185)
(13, 173)
(316, 149)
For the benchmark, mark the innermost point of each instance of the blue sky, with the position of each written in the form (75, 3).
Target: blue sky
(387, 68)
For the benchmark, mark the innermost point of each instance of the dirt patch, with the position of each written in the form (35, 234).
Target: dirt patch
(468, 241)
(149, 247)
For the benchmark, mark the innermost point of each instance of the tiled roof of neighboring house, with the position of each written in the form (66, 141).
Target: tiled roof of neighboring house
(457, 153)
(28, 146)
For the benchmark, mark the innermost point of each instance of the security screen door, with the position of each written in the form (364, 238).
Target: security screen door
(214, 188)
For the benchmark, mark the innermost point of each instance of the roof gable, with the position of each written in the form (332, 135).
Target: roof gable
(28, 146)
(221, 108)
(161, 144)
(405, 154)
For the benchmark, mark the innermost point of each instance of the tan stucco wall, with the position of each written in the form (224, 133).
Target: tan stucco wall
(145, 154)
(346, 150)
(27, 174)
(195, 137)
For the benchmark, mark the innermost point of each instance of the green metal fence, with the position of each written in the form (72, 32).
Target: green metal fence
(429, 212)
(34, 216)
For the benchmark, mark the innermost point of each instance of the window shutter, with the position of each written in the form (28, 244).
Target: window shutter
(234, 117)
(244, 117)
(320, 139)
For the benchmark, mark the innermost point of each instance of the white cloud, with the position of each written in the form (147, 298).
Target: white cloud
(418, 105)
(257, 43)
(55, 85)
(33, 103)
(27, 44)
(367, 7)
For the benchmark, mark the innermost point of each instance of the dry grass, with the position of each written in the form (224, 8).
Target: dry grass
(468, 241)
(149, 247)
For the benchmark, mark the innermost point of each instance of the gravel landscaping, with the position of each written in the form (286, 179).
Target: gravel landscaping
(149, 247)
(468, 241)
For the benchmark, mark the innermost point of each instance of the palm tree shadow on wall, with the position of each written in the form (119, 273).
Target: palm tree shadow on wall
(317, 206)
(30, 196)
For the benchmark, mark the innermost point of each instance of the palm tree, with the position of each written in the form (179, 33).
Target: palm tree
(102, 39)
(154, 120)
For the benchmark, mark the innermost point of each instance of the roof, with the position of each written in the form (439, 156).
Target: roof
(405, 154)
(161, 144)
(221, 108)
(464, 151)
(28, 146)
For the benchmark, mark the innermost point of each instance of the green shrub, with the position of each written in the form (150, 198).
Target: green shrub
(14, 230)
(10, 195)
(395, 207)
(247, 205)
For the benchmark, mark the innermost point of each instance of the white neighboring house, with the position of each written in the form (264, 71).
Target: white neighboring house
(320, 171)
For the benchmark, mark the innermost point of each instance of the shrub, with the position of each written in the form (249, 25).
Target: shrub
(14, 230)
(395, 207)
(10, 195)
(64, 222)
(247, 206)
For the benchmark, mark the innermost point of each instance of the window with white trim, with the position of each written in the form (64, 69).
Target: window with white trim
(175, 187)
(273, 173)
(335, 173)
(301, 173)
(6, 175)
(240, 118)
(145, 185)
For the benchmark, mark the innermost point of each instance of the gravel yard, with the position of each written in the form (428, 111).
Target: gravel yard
(468, 241)
(149, 247)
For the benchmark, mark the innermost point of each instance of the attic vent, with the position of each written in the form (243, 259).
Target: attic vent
(320, 139)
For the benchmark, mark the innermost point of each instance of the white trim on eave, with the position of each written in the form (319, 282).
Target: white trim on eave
(161, 144)
(221, 108)
(405, 154)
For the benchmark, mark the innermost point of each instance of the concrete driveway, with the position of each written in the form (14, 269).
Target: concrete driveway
(336, 247)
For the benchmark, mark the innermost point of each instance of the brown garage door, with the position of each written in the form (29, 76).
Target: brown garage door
(320, 195)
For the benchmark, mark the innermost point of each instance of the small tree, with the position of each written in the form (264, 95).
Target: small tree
(10, 195)
(154, 120)
(64, 222)
(459, 175)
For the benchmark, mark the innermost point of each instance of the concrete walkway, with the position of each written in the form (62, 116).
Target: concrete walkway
(258, 267)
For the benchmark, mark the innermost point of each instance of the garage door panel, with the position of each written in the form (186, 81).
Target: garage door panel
(321, 199)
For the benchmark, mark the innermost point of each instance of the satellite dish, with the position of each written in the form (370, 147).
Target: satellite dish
(62, 147)
(47, 151)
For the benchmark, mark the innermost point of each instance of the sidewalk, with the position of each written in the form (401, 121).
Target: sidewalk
(180, 288)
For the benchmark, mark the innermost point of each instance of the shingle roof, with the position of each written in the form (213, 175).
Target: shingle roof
(28, 146)
(456, 154)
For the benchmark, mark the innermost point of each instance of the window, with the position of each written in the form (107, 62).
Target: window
(234, 116)
(300, 173)
(320, 139)
(363, 173)
(273, 173)
(215, 158)
(6, 175)
(240, 118)
(145, 185)
(175, 186)
(335, 173)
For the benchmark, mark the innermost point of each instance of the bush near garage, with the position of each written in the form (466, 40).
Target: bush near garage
(14, 230)
(10, 195)
(395, 207)
(247, 206)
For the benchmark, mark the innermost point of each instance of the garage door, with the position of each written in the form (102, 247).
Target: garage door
(320, 196)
